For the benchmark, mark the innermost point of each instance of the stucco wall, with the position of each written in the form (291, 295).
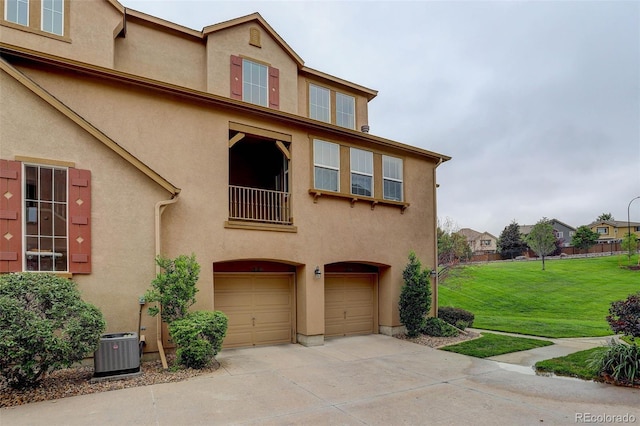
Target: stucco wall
(235, 41)
(123, 201)
(90, 38)
(161, 55)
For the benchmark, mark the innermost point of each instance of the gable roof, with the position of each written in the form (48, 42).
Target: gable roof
(258, 19)
(614, 223)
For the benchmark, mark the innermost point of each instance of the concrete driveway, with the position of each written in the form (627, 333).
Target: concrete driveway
(367, 380)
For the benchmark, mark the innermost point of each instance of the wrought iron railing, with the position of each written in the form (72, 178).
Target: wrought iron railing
(260, 205)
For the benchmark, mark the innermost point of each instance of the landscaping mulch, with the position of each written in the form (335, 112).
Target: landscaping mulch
(76, 381)
(439, 342)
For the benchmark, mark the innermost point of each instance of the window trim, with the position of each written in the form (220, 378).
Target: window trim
(317, 164)
(42, 21)
(25, 236)
(385, 178)
(339, 113)
(329, 109)
(6, 12)
(360, 173)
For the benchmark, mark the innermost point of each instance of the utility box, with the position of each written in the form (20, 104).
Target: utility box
(117, 354)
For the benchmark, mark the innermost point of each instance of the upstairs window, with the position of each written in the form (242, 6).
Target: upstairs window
(602, 230)
(345, 111)
(254, 83)
(319, 103)
(326, 165)
(53, 16)
(45, 197)
(17, 11)
(392, 178)
(361, 172)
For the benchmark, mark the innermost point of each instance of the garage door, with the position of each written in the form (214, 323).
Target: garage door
(259, 307)
(349, 304)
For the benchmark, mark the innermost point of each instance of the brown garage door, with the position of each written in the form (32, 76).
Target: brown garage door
(349, 304)
(259, 307)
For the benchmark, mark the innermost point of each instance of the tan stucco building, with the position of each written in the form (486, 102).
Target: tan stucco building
(124, 136)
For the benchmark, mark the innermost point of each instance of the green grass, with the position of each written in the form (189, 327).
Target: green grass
(573, 365)
(570, 298)
(491, 344)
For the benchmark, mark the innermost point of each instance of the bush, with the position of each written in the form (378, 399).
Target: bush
(438, 328)
(624, 316)
(199, 337)
(44, 326)
(456, 316)
(175, 288)
(619, 361)
(415, 298)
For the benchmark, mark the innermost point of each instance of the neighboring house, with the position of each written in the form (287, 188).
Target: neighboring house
(480, 242)
(610, 231)
(124, 136)
(560, 229)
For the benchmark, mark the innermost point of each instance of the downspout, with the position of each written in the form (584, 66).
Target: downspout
(159, 209)
(435, 248)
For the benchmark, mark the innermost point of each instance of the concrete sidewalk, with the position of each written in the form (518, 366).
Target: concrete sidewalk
(370, 380)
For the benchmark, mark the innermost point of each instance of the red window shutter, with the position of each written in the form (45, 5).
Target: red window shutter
(79, 221)
(10, 216)
(274, 88)
(236, 77)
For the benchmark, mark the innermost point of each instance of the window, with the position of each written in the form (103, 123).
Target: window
(603, 230)
(361, 172)
(52, 16)
(559, 234)
(319, 103)
(326, 162)
(45, 217)
(345, 111)
(17, 11)
(392, 178)
(485, 242)
(254, 83)
(572, 233)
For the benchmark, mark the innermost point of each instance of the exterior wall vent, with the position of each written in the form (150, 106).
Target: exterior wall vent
(118, 353)
(365, 128)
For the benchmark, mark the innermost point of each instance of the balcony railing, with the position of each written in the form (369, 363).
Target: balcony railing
(259, 205)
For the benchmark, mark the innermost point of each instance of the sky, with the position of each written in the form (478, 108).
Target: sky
(537, 102)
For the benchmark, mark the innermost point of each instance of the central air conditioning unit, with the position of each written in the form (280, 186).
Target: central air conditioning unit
(118, 353)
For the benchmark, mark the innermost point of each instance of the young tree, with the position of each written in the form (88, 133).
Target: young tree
(415, 298)
(584, 238)
(604, 216)
(630, 244)
(510, 242)
(542, 239)
(175, 288)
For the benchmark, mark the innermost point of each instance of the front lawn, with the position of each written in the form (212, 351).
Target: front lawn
(572, 365)
(491, 344)
(570, 298)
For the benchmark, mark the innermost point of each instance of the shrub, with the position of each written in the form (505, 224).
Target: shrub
(619, 361)
(457, 317)
(438, 328)
(624, 316)
(199, 337)
(415, 298)
(44, 326)
(175, 288)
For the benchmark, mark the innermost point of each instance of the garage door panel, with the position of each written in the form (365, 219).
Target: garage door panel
(259, 308)
(349, 305)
